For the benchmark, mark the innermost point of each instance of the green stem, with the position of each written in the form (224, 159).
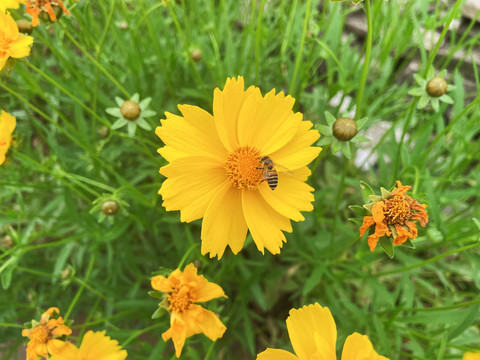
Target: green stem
(258, 37)
(337, 201)
(411, 111)
(368, 51)
(140, 332)
(82, 286)
(293, 88)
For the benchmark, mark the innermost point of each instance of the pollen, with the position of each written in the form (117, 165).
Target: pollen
(180, 299)
(243, 168)
(397, 210)
(40, 334)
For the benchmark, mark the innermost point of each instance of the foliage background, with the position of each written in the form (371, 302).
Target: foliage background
(423, 304)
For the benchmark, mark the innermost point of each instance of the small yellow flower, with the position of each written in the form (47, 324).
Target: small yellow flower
(7, 125)
(94, 346)
(35, 7)
(44, 335)
(215, 167)
(10, 4)
(12, 43)
(182, 290)
(313, 334)
(471, 356)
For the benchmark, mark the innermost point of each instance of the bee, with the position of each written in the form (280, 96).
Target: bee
(270, 173)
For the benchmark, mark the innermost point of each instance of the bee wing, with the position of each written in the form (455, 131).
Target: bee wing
(283, 169)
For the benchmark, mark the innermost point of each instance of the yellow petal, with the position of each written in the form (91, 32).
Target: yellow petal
(177, 332)
(204, 290)
(224, 223)
(227, 104)
(56, 346)
(276, 354)
(98, 346)
(161, 283)
(8, 26)
(267, 123)
(193, 134)
(205, 322)
(307, 323)
(359, 347)
(298, 152)
(67, 352)
(192, 183)
(471, 356)
(21, 46)
(291, 195)
(3, 60)
(264, 222)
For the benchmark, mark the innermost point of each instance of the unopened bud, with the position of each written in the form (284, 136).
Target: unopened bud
(103, 131)
(110, 207)
(130, 110)
(6, 242)
(45, 16)
(196, 55)
(24, 26)
(437, 87)
(344, 129)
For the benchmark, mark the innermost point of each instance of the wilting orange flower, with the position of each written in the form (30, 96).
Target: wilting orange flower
(10, 4)
(7, 125)
(313, 334)
(35, 7)
(182, 290)
(393, 213)
(95, 346)
(44, 335)
(471, 356)
(215, 169)
(12, 43)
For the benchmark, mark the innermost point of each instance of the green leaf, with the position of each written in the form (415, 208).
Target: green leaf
(423, 101)
(361, 122)
(416, 92)
(359, 139)
(356, 221)
(387, 245)
(158, 313)
(330, 118)
(409, 244)
(366, 191)
(156, 294)
(359, 210)
(324, 129)
(420, 80)
(314, 279)
(7, 276)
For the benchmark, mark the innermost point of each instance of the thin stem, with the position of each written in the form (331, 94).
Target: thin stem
(82, 286)
(140, 332)
(337, 201)
(411, 111)
(300, 50)
(368, 51)
(258, 37)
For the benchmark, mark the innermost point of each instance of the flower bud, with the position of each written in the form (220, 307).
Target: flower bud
(110, 207)
(103, 132)
(437, 87)
(130, 110)
(196, 55)
(65, 273)
(46, 17)
(24, 26)
(344, 129)
(6, 242)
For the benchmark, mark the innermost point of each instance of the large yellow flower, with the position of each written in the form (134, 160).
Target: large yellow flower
(471, 356)
(313, 334)
(182, 291)
(44, 335)
(95, 346)
(10, 4)
(12, 43)
(7, 125)
(215, 169)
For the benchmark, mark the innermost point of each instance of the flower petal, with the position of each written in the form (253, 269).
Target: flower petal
(96, 345)
(267, 123)
(204, 290)
(206, 322)
(67, 352)
(227, 104)
(359, 347)
(224, 223)
(264, 222)
(276, 354)
(298, 152)
(193, 134)
(21, 47)
(191, 185)
(304, 323)
(291, 195)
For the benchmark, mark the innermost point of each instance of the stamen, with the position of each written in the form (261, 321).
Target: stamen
(243, 168)
(180, 299)
(397, 210)
(40, 334)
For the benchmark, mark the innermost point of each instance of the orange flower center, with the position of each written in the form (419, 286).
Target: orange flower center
(397, 210)
(180, 299)
(243, 168)
(40, 334)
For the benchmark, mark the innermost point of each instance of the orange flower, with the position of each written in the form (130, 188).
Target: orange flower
(393, 213)
(182, 291)
(44, 335)
(12, 43)
(35, 7)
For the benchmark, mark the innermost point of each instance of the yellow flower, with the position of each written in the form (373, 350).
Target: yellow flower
(10, 4)
(12, 43)
(7, 125)
(393, 213)
(313, 334)
(44, 335)
(471, 356)
(94, 346)
(182, 291)
(215, 167)
(35, 7)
